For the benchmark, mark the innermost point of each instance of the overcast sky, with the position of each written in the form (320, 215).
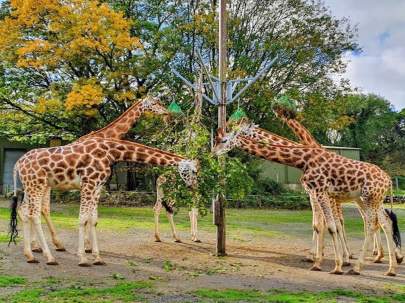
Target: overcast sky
(380, 68)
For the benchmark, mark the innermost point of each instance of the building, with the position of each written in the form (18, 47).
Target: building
(10, 152)
(290, 176)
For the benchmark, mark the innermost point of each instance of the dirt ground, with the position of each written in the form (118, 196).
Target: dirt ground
(177, 268)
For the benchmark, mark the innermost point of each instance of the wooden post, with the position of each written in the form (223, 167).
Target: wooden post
(219, 210)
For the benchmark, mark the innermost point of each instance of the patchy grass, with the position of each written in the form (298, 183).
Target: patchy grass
(4, 237)
(281, 296)
(6, 281)
(121, 292)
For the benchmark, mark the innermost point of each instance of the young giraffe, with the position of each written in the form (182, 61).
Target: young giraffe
(160, 203)
(117, 129)
(306, 138)
(327, 175)
(85, 165)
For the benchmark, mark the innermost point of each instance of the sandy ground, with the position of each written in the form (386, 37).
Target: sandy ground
(252, 263)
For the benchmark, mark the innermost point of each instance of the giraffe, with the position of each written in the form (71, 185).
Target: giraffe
(117, 129)
(160, 202)
(306, 138)
(328, 175)
(85, 165)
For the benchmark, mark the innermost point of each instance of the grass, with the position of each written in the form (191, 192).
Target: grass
(4, 237)
(7, 281)
(282, 296)
(121, 292)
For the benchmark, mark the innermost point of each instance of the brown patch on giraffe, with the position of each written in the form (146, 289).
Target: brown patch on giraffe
(90, 147)
(70, 173)
(43, 161)
(62, 164)
(56, 157)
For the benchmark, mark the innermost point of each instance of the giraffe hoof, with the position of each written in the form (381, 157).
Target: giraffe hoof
(37, 250)
(178, 241)
(52, 263)
(346, 263)
(99, 262)
(353, 272)
(60, 249)
(308, 260)
(88, 251)
(84, 264)
(197, 241)
(400, 259)
(377, 260)
(336, 272)
(315, 268)
(390, 274)
(33, 261)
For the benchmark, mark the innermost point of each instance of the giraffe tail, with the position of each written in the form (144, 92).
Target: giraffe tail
(15, 172)
(13, 231)
(396, 234)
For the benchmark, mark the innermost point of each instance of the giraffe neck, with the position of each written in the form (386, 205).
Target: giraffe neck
(303, 134)
(262, 135)
(121, 150)
(120, 126)
(296, 156)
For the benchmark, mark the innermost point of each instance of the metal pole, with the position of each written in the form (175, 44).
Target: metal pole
(219, 212)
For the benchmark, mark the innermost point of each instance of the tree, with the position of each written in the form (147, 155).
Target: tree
(65, 62)
(376, 128)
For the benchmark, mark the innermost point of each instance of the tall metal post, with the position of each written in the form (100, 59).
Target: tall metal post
(219, 207)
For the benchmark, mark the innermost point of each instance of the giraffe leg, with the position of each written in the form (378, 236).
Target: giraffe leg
(338, 216)
(386, 225)
(36, 248)
(46, 212)
(173, 227)
(190, 215)
(157, 209)
(325, 205)
(23, 213)
(93, 236)
(319, 231)
(315, 215)
(87, 241)
(194, 214)
(86, 201)
(371, 227)
(378, 250)
(345, 244)
(41, 237)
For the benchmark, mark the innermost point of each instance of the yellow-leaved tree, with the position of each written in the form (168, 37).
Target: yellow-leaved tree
(63, 62)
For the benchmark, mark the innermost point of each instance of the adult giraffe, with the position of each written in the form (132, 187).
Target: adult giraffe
(306, 138)
(327, 175)
(117, 129)
(85, 165)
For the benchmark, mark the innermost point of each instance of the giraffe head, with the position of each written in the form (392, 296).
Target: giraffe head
(153, 105)
(188, 170)
(226, 142)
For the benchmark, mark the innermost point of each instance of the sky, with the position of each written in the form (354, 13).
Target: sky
(380, 67)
